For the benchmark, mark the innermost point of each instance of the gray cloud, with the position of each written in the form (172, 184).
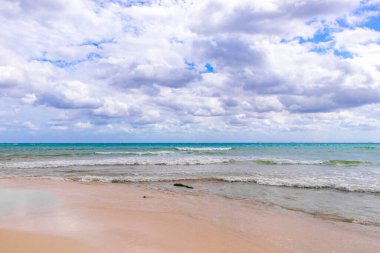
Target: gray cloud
(353, 97)
(309, 104)
(63, 102)
(138, 75)
(283, 19)
(228, 52)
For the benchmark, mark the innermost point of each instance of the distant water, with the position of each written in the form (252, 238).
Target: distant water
(337, 181)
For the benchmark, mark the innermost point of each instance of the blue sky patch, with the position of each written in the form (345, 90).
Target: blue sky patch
(67, 64)
(208, 69)
(97, 44)
(373, 23)
(343, 54)
(59, 63)
(320, 36)
(124, 3)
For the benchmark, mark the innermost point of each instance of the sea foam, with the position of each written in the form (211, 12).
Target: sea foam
(203, 149)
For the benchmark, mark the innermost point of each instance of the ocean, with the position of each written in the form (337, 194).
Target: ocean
(334, 181)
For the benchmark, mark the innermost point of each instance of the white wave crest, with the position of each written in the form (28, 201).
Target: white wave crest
(270, 181)
(129, 179)
(303, 182)
(203, 149)
(136, 152)
(277, 161)
(119, 161)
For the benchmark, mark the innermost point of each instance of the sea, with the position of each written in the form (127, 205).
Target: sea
(336, 181)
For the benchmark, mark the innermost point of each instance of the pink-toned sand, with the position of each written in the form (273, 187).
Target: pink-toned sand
(117, 218)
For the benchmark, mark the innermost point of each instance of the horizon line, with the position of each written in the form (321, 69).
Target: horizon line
(258, 142)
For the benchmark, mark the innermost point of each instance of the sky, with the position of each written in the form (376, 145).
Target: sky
(190, 71)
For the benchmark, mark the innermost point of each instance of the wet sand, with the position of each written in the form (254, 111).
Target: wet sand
(77, 217)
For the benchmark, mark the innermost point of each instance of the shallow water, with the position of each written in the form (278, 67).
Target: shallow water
(340, 181)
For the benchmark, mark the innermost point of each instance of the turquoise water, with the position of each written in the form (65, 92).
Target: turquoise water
(341, 181)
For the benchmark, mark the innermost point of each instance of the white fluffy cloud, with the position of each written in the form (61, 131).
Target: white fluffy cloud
(189, 69)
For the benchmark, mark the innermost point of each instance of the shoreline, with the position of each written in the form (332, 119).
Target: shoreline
(118, 218)
(201, 186)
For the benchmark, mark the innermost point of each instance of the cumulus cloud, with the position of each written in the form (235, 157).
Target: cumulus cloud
(274, 17)
(10, 76)
(68, 95)
(171, 67)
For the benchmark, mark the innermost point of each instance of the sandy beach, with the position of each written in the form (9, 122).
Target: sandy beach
(60, 216)
(181, 126)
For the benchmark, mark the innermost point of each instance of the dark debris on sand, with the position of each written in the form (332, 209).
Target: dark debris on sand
(183, 185)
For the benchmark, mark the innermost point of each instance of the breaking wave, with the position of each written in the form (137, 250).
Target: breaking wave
(115, 162)
(287, 162)
(346, 163)
(311, 162)
(203, 149)
(159, 158)
(269, 181)
(304, 183)
(139, 153)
